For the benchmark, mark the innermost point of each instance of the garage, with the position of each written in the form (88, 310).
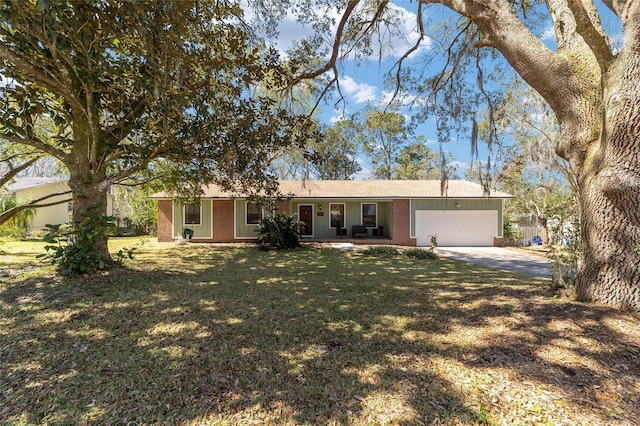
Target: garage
(462, 228)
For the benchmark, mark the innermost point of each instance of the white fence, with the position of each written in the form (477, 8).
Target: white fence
(529, 233)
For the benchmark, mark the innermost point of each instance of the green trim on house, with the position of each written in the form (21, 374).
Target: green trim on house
(242, 230)
(202, 231)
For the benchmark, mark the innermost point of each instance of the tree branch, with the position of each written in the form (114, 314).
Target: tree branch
(5, 216)
(38, 75)
(13, 171)
(144, 182)
(126, 124)
(331, 63)
(39, 145)
(444, 77)
(366, 26)
(503, 30)
(593, 35)
(616, 6)
(406, 54)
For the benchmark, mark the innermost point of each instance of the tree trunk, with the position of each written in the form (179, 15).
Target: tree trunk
(544, 223)
(609, 269)
(90, 199)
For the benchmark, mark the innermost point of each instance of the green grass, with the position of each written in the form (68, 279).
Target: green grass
(216, 335)
(23, 253)
(13, 253)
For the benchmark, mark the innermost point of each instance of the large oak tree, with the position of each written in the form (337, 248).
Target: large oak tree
(591, 87)
(138, 87)
(594, 94)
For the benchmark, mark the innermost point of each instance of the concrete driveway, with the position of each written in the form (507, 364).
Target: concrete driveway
(501, 258)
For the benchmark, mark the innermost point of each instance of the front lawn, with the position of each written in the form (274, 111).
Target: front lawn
(227, 334)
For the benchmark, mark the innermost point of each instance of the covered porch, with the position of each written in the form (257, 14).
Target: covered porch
(345, 220)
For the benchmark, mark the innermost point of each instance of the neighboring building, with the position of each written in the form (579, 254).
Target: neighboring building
(386, 211)
(34, 188)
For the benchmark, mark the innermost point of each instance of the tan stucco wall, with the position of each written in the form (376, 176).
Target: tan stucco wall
(55, 215)
(165, 216)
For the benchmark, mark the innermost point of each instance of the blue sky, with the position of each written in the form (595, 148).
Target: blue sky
(362, 84)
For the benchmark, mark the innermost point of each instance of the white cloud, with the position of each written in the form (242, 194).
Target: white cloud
(338, 117)
(360, 92)
(363, 174)
(549, 33)
(289, 32)
(405, 35)
(335, 118)
(460, 165)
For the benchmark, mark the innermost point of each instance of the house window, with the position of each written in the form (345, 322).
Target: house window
(369, 218)
(337, 215)
(254, 213)
(192, 214)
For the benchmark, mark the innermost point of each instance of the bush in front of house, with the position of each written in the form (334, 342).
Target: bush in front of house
(381, 251)
(421, 254)
(278, 232)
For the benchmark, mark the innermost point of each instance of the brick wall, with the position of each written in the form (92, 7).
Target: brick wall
(401, 230)
(223, 223)
(165, 217)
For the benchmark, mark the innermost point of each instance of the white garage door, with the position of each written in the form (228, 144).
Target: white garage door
(456, 227)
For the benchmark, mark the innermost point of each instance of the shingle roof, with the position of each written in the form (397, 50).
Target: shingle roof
(369, 189)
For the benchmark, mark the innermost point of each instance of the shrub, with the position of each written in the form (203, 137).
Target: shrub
(72, 249)
(13, 232)
(381, 251)
(279, 231)
(512, 234)
(421, 254)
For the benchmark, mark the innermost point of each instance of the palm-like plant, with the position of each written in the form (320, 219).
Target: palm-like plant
(278, 231)
(23, 218)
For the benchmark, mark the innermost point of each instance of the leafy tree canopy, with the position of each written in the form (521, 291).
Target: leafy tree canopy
(139, 89)
(416, 161)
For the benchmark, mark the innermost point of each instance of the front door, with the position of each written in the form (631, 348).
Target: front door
(306, 215)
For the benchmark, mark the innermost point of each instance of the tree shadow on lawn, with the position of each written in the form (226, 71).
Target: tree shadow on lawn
(203, 334)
